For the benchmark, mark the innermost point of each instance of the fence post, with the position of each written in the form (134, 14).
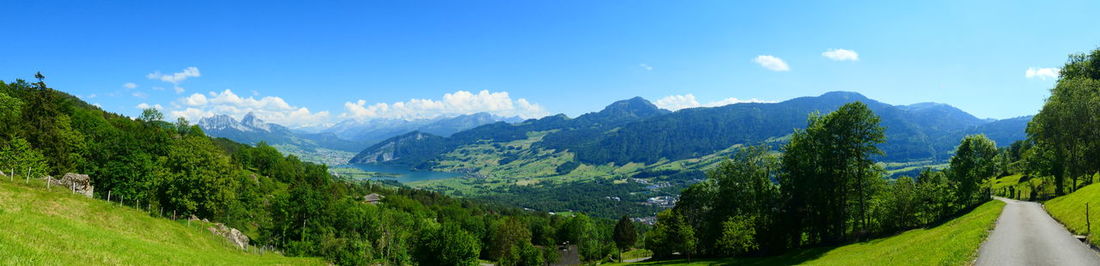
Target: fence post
(108, 196)
(27, 176)
(1088, 224)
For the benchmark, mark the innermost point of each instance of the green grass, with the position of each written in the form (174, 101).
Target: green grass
(1070, 210)
(59, 228)
(955, 242)
(637, 253)
(1023, 188)
(1006, 181)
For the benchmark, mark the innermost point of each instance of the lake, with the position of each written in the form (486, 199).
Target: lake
(401, 174)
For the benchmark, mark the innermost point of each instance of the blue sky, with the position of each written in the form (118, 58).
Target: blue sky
(308, 63)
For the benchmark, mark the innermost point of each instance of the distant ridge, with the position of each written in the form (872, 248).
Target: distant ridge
(634, 130)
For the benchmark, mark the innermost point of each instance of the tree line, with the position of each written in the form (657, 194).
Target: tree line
(278, 201)
(822, 188)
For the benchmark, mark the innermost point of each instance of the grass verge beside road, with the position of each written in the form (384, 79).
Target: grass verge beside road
(1070, 210)
(954, 242)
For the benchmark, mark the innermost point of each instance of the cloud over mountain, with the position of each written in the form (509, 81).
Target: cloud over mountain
(270, 108)
(453, 104)
(683, 101)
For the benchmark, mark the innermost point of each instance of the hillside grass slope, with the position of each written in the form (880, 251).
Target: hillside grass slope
(954, 242)
(55, 227)
(1070, 210)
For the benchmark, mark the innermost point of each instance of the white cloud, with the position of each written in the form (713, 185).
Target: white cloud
(1042, 73)
(194, 100)
(175, 78)
(144, 106)
(841, 55)
(646, 67)
(139, 94)
(271, 109)
(92, 96)
(457, 103)
(129, 85)
(677, 102)
(771, 63)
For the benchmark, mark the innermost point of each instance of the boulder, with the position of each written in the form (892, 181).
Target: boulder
(232, 234)
(76, 182)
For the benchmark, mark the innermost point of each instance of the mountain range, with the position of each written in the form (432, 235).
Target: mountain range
(336, 144)
(375, 130)
(636, 131)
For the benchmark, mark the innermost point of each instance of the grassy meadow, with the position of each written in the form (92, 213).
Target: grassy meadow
(60, 228)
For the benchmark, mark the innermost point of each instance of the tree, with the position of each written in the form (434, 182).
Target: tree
(828, 175)
(740, 188)
(624, 235)
(550, 254)
(449, 245)
(1068, 121)
(670, 235)
(685, 235)
(972, 164)
(508, 235)
(18, 155)
(11, 109)
(199, 180)
(738, 236)
(151, 115)
(183, 128)
(935, 195)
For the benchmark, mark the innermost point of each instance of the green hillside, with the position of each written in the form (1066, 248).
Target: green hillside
(1070, 210)
(613, 162)
(60, 228)
(955, 242)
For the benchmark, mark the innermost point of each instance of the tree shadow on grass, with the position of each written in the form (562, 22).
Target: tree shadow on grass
(794, 257)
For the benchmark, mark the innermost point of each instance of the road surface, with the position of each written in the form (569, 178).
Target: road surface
(1027, 235)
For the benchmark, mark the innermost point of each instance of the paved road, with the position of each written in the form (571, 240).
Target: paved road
(1027, 235)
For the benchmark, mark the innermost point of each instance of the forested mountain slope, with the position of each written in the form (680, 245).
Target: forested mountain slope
(636, 131)
(295, 207)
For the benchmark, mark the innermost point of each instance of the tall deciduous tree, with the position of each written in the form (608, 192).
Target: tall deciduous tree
(11, 109)
(1068, 122)
(828, 174)
(971, 165)
(151, 115)
(449, 245)
(624, 235)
